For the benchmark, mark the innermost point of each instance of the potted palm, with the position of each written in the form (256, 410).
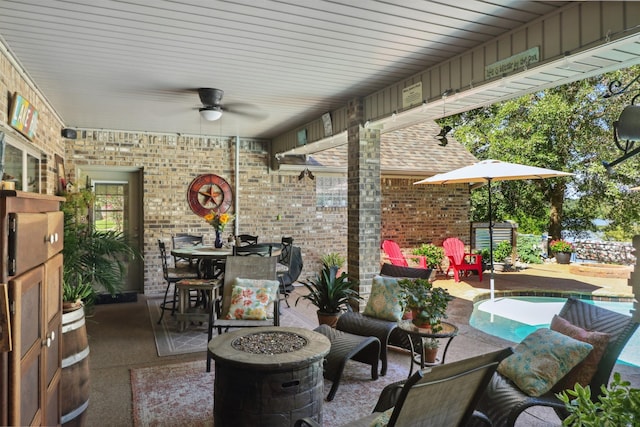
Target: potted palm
(427, 303)
(333, 260)
(331, 294)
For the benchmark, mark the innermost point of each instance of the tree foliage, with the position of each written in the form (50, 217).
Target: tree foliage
(567, 128)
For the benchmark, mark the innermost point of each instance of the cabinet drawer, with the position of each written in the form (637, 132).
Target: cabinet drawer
(28, 241)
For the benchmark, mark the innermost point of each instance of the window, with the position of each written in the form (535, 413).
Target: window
(331, 192)
(108, 213)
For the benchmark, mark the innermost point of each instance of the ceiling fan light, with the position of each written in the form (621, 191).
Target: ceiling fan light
(211, 113)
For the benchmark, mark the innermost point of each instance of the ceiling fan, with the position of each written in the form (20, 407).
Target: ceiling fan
(212, 107)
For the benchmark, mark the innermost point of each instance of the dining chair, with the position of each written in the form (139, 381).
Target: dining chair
(246, 240)
(247, 268)
(171, 275)
(181, 240)
(260, 250)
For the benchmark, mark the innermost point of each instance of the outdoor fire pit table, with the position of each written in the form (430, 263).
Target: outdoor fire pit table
(268, 376)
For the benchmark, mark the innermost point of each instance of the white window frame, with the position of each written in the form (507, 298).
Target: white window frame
(26, 152)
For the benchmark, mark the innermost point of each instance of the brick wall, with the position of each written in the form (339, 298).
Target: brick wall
(170, 162)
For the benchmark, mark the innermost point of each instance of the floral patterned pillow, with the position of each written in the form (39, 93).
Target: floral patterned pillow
(542, 359)
(252, 299)
(382, 420)
(384, 301)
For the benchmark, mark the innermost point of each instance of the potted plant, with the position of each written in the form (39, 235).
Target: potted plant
(562, 250)
(500, 255)
(617, 405)
(91, 257)
(331, 294)
(428, 303)
(432, 253)
(333, 260)
(430, 349)
(76, 293)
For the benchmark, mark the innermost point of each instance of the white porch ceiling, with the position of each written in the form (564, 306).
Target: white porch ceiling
(134, 65)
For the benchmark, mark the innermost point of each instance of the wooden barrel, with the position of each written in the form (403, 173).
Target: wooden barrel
(75, 369)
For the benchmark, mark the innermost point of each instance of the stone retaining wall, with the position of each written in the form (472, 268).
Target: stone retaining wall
(605, 252)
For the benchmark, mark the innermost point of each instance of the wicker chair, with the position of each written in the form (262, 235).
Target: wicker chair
(445, 395)
(503, 402)
(360, 324)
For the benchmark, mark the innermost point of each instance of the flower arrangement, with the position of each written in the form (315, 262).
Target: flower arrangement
(218, 220)
(561, 246)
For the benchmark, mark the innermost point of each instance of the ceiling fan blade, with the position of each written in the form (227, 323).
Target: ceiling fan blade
(246, 110)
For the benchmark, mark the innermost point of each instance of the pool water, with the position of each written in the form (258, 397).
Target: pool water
(514, 318)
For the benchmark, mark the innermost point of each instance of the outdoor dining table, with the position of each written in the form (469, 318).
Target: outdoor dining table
(211, 259)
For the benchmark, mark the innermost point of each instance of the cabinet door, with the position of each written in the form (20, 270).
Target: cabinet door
(55, 232)
(25, 360)
(28, 241)
(52, 349)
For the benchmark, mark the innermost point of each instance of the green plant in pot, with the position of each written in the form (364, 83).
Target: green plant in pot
(331, 294)
(617, 405)
(432, 253)
(428, 303)
(92, 258)
(333, 259)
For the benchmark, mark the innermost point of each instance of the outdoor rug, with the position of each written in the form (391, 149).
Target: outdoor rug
(182, 394)
(194, 338)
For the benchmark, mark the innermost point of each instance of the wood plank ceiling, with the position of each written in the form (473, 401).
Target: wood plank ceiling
(134, 65)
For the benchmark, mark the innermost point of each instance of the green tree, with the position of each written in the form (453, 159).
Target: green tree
(566, 128)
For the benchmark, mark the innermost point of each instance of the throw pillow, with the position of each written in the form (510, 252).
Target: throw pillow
(542, 359)
(583, 372)
(252, 299)
(384, 300)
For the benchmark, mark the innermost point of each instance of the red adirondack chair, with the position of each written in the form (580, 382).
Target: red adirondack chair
(396, 257)
(459, 261)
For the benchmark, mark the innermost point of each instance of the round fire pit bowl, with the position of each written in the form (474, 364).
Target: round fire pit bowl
(268, 376)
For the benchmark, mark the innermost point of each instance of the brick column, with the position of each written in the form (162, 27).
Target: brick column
(363, 196)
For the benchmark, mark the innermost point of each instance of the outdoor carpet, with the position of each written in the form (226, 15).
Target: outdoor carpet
(194, 338)
(182, 394)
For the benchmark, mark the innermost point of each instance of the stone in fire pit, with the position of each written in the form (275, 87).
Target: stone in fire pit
(271, 342)
(268, 376)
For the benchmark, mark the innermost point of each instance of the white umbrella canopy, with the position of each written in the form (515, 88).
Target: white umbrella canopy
(487, 171)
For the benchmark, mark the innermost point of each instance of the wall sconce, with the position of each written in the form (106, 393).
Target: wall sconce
(306, 172)
(442, 136)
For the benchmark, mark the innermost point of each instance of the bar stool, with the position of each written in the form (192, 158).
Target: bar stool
(207, 290)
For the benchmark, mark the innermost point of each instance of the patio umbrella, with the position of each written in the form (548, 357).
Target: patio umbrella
(487, 171)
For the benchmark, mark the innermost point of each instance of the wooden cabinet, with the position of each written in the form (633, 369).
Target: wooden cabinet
(31, 239)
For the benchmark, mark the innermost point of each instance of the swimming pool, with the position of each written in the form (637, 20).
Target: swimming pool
(513, 318)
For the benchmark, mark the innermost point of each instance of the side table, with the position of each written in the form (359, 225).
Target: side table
(448, 332)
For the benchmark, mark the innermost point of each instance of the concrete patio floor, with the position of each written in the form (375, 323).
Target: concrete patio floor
(121, 336)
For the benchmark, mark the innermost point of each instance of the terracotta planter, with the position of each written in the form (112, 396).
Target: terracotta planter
(563, 257)
(430, 355)
(330, 319)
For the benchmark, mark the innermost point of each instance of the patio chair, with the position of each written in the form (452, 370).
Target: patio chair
(503, 401)
(181, 240)
(444, 395)
(246, 240)
(260, 250)
(171, 275)
(459, 261)
(243, 267)
(366, 324)
(396, 257)
(288, 278)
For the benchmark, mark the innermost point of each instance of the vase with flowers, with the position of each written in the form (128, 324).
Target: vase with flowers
(562, 250)
(218, 221)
